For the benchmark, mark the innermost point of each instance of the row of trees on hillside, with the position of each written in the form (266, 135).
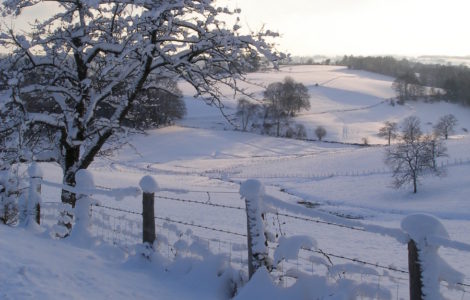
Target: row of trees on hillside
(415, 154)
(453, 80)
(442, 129)
(282, 101)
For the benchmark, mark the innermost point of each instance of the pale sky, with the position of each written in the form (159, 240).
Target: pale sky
(364, 27)
(358, 27)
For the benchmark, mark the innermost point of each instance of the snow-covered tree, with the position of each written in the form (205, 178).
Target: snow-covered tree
(85, 53)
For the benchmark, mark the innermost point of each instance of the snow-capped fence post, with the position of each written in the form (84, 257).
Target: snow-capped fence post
(34, 194)
(427, 269)
(149, 186)
(253, 192)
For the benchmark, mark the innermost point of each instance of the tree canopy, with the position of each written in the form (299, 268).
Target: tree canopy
(285, 99)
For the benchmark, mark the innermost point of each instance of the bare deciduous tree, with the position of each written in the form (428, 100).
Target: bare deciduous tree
(414, 156)
(445, 126)
(246, 111)
(389, 131)
(411, 130)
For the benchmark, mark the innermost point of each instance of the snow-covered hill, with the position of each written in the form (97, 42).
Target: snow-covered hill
(203, 159)
(350, 104)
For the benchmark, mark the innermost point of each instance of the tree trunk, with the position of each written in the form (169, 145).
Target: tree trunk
(72, 155)
(415, 190)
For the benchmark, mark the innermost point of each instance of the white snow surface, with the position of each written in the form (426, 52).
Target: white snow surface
(203, 159)
(421, 227)
(36, 267)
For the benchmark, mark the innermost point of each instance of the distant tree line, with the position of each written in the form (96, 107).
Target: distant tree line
(453, 80)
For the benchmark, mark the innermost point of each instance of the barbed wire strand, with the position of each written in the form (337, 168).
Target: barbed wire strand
(117, 209)
(200, 226)
(200, 202)
(359, 261)
(318, 221)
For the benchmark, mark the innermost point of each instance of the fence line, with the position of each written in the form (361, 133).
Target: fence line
(277, 213)
(355, 260)
(326, 175)
(229, 207)
(116, 230)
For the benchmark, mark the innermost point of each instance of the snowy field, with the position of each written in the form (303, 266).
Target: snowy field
(202, 159)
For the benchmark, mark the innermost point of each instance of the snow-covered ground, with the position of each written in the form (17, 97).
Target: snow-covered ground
(203, 159)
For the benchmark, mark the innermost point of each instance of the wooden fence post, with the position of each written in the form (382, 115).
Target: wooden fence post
(149, 186)
(414, 268)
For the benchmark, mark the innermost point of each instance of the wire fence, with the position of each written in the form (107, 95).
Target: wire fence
(123, 228)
